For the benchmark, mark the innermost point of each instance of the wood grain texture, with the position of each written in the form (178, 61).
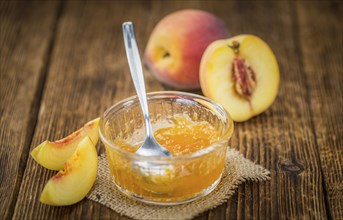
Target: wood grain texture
(298, 139)
(24, 44)
(320, 40)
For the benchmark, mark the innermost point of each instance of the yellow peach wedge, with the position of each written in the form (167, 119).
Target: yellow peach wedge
(240, 73)
(53, 155)
(72, 184)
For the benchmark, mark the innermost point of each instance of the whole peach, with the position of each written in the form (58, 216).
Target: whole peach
(176, 45)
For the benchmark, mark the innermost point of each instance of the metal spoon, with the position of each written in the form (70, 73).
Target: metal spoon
(150, 146)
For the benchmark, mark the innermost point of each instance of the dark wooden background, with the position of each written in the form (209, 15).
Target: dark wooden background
(62, 63)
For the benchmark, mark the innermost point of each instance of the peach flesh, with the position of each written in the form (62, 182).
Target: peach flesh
(53, 155)
(241, 74)
(72, 184)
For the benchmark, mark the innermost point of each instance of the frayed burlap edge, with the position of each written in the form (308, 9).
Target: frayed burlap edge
(237, 170)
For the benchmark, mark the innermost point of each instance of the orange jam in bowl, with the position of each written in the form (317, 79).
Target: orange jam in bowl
(193, 128)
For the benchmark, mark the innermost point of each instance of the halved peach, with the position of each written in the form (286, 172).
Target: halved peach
(53, 155)
(241, 74)
(72, 184)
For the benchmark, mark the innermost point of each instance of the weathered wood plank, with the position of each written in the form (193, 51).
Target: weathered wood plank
(24, 48)
(320, 40)
(282, 138)
(89, 72)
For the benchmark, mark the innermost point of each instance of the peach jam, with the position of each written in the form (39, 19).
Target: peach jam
(178, 178)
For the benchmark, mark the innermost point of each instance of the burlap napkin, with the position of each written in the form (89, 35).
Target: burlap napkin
(237, 170)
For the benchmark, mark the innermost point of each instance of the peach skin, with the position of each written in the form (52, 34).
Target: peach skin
(175, 47)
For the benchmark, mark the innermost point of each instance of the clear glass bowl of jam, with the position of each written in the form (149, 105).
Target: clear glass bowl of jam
(193, 128)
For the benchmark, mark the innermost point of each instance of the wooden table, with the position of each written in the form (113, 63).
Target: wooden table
(62, 63)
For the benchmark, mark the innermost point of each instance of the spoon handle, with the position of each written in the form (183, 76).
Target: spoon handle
(135, 65)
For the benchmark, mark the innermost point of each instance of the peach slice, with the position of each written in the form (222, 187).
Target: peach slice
(241, 74)
(53, 155)
(72, 184)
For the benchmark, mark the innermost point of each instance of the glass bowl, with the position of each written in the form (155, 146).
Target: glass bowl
(164, 180)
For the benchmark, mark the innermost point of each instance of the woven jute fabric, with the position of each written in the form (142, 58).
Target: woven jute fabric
(237, 170)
